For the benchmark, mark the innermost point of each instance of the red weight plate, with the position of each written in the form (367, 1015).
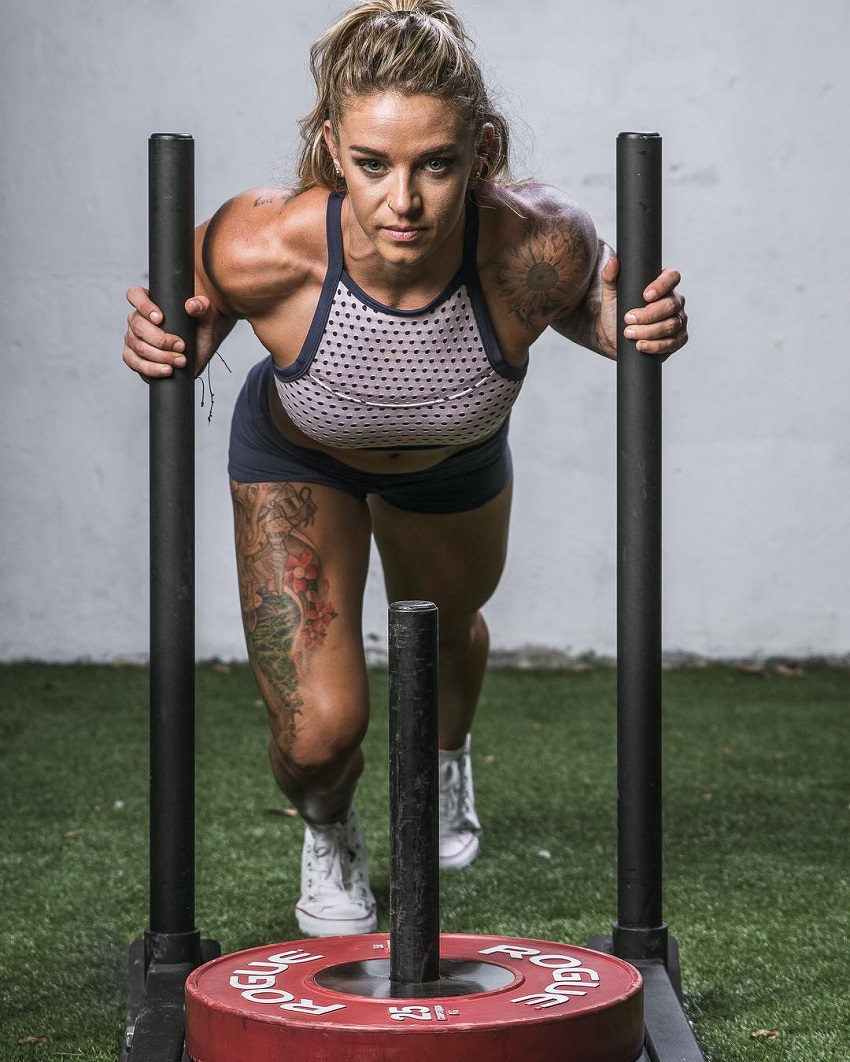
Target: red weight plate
(556, 1002)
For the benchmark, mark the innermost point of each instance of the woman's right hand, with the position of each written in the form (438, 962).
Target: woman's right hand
(152, 352)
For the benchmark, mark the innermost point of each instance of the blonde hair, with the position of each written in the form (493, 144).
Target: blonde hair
(407, 46)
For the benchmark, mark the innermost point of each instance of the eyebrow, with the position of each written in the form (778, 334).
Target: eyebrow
(438, 149)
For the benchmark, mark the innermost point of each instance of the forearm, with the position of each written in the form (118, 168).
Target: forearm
(209, 342)
(217, 320)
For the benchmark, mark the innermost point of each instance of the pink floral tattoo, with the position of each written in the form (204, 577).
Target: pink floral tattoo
(285, 597)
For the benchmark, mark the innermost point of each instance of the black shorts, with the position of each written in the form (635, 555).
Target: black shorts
(260, 454)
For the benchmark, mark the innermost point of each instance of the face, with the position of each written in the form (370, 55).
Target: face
(407, 163)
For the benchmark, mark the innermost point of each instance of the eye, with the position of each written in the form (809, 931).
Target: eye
(372, 167)
(437, 165)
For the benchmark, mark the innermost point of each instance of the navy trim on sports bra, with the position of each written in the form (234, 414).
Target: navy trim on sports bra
(479, 305)
(333, 229)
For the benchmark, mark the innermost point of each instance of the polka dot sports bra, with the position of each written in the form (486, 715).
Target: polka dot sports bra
(373, 377)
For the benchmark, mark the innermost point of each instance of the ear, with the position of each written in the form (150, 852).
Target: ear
(485, 146)
(330, 142)
(485, 143)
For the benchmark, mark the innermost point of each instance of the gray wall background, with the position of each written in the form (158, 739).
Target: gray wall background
(752, 101)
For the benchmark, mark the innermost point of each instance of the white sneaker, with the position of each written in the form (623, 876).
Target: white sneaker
(459, 825)
(335, 896)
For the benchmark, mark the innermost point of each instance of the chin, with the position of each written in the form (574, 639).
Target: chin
(395, 251)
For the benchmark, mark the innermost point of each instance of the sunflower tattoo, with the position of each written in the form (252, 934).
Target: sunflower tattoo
(537, 278)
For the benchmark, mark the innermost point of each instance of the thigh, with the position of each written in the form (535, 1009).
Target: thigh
(302, 557)
(452, 559)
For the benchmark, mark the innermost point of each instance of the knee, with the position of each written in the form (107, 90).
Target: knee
(463, 637)
(321, 743)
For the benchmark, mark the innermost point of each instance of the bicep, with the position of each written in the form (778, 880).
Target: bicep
(242, 262)
(208, 271)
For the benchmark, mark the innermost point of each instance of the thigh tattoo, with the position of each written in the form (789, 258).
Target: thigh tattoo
(286, 609)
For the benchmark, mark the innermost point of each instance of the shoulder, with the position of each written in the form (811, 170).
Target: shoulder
(541, 250)
(538, 202)
(262, 244)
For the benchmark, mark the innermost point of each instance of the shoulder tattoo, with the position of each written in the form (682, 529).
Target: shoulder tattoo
(267, 198)
(543, 276)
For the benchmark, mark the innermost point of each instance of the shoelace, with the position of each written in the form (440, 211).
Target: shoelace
(452, 794)
(355, 865)
(325, 859)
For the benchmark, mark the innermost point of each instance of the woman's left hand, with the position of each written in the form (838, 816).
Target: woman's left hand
(660, 327)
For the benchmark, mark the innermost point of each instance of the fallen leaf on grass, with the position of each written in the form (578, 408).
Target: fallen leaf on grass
(33, 1040)
(73, 834)
(789, 670)
(291, 812)
(754, 670)
(764, 1034)
(489, 759)
(222, 669)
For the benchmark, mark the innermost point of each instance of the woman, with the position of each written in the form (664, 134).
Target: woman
(397, 289)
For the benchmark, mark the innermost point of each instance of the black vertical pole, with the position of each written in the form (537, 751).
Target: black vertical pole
(640, 935)
(414, 812)
(172, 936)
(172, 948)
(640, 932)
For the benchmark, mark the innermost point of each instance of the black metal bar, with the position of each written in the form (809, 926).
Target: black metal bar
(172, 936)
(414, 811)
(155, 1029)
(172, 948)
(640, 932)
(669, 1035)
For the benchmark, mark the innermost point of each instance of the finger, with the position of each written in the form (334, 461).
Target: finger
(664, 347)
(610, 270)
(660, 321)
(147, 368)
(198, 305)
(140, 299)
(662, 310)
(153, 352)
(667, 328)
(663, 284)
(142, 333)
(147, 344)
(668, 344)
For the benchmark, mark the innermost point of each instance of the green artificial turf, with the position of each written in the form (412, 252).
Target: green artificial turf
(756, 848)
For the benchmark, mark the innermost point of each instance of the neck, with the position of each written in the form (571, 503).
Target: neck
(406, 285)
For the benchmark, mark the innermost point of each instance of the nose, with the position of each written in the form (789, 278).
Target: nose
(403, 198)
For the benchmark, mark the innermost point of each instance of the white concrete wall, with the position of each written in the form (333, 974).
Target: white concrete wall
(752, 101)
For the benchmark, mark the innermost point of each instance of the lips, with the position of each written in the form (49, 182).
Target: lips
(402, 235)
